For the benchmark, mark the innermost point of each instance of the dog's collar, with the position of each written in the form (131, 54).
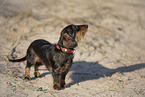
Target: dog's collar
(65, 49)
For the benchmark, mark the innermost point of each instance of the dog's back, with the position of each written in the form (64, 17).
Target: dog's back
(41, 47)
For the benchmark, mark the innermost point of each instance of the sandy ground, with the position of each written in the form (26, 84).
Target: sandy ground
(109, 61)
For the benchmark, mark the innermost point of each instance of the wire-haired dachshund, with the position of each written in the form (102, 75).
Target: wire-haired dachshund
(57, 58)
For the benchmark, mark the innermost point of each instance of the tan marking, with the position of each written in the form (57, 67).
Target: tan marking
(37, 60)
(27, 71)
(62, 69)
(81, 33)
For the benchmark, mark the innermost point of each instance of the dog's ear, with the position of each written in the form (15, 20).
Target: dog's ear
(64, 37)
(64, 40)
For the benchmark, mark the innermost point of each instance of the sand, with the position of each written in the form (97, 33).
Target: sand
(109, 61)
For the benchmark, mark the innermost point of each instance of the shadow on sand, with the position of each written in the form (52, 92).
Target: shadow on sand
(83, 71)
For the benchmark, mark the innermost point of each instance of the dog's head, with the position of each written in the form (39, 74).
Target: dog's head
(71, 34)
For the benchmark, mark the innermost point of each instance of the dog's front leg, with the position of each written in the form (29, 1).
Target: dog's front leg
(62, 80)
(55, 75)
(63, 72)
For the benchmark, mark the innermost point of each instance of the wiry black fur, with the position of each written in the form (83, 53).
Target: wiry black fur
(56, 61)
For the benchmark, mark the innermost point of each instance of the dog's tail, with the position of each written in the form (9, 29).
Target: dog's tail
(17, 60)
(12, 59)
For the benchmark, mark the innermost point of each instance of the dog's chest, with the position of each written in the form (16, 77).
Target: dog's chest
(63, 58)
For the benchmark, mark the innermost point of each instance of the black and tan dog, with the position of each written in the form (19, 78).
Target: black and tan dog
(57, 58)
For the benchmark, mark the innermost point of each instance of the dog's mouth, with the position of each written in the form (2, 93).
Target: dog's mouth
(81, 32)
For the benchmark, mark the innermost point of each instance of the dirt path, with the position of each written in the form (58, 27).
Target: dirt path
(109, 62)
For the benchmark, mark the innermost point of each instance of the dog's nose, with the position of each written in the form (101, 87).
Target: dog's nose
(86, 26)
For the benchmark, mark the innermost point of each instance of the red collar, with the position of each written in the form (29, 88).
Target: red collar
(65, 49)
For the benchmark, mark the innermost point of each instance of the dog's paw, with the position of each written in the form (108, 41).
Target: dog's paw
(64, 86)
(27, 77)
(56, 87)
(37, 74)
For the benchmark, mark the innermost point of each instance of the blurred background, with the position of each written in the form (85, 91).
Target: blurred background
(112, 23)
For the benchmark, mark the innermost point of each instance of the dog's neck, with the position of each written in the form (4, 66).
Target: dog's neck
(65, 49)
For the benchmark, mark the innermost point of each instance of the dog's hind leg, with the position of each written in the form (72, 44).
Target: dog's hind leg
(27, 71)
(37, 63)
(36, 73)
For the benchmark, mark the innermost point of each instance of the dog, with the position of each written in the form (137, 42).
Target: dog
(57, 58)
